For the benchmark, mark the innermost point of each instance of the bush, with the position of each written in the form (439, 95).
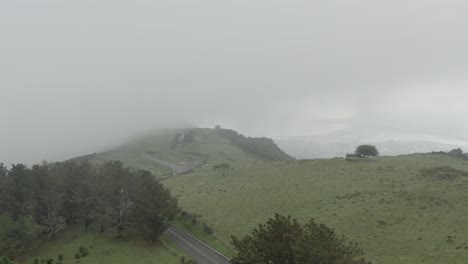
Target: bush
(83, 251)
(184, 261)
(283, 238)
(60, 257)
(6, 260)
(207, 229)
(367, 151)
(456, 153)
(77, 256)
(50, 261)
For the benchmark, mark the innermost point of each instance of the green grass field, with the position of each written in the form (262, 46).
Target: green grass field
(399, 209)
(103, 249)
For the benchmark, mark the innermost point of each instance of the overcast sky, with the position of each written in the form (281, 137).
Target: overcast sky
(79, 76)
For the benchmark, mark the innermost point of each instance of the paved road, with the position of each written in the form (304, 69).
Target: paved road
(194, 248)
(176, 168)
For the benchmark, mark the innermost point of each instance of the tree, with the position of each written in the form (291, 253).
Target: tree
(283, 240)
(154, 206)
(456, 152)
(223, 167)
(81, 192)
(16, 235)
(19, 190)
(367, 151)
(3, 188)
(117, 185)
(51, 217)
(5, 260)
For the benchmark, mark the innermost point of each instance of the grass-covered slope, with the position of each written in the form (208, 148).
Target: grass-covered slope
(405, 209)
(208, 145)
(103, 249)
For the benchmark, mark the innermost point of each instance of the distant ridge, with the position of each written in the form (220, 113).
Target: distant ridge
(263, 147)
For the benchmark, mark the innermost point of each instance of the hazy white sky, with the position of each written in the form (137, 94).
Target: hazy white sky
(78, 76)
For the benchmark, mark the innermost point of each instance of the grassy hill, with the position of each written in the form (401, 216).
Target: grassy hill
(404, 209)
(208, 144)
(103, 249)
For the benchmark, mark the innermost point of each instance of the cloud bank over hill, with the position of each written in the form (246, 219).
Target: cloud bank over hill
(76, 77)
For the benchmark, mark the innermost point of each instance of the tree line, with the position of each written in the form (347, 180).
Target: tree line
(262, 147)
(45, 199)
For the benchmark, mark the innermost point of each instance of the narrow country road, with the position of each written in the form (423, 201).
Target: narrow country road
(194, 248)
(176, 168)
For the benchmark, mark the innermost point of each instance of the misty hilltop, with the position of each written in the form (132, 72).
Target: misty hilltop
(180, 151)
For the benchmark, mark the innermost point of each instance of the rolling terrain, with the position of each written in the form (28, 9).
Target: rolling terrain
(400, 209)
(103, 249)
(404, 209)
(158, 153)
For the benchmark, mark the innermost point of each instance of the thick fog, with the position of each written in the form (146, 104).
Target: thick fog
(80, 76)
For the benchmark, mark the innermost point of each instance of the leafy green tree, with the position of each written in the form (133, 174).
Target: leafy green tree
(154, 206)
(19, 191)
(367, 151)
(456, 153)
(283, 240)
(16, 235)
(5, 260)
(117, 186)
(80, 192)
(3, 189)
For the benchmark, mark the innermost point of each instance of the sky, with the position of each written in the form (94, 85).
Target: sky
(77, 77)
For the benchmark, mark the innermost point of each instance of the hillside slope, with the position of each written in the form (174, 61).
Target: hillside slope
(405, 209)
(188, 148)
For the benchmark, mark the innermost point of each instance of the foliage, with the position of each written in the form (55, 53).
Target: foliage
(184, 261)
(16, 236)
(83, 251)
(154, 207)
(283, 240)
(223, 167)
(103, 248)
(456, 152)
(5, 260)
(352, 197)
(262, 147)
(367, 151)
(207, 229)
(52, 196)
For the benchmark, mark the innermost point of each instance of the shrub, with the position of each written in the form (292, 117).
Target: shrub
(184, 261)
(207, 229)
(6, 260)
(83, 251)
(283, 238)
(367, 151)
(60, 257)
(77, 256)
